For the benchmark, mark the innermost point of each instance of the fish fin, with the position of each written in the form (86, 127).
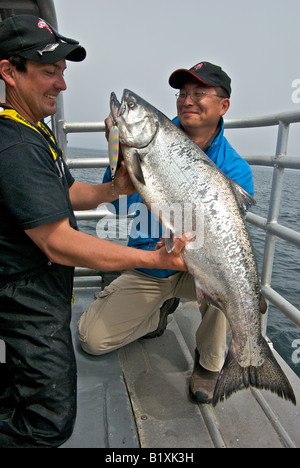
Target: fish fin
(268, 376)
(169, 242)
(199, 292)
(137, 170)
(244, 198)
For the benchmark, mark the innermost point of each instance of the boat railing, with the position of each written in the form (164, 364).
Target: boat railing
(279, 161)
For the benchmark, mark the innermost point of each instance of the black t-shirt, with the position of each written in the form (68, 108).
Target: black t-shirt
(34, 190)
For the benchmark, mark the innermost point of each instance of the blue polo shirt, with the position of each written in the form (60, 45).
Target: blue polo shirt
(224, 156)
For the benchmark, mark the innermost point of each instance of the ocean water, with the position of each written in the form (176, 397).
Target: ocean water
(286, 271)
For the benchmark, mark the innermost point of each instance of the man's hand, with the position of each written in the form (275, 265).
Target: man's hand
(108, 126)
(173, 260)
(122, 183)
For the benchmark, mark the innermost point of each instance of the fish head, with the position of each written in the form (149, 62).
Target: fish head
(137, 121)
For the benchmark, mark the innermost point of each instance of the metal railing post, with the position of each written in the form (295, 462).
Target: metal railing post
(58, 124)
(274, 209)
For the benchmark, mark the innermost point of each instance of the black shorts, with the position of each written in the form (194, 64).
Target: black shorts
(40, 367)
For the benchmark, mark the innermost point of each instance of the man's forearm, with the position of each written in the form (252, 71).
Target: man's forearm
(82, 250)
(62, 244)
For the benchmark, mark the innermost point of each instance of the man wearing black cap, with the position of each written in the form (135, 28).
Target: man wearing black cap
(39, 240)
(202, 101)
(129, 308)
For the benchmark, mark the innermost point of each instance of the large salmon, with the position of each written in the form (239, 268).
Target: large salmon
(169, 170)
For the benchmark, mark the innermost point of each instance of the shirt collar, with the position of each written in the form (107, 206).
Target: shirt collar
(214, 139)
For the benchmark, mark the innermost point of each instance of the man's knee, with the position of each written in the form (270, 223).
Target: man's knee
(93, 349)
(92, 344)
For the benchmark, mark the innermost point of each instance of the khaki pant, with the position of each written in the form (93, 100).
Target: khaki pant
(129, 308)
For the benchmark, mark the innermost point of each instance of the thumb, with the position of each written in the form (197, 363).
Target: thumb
(181, 242)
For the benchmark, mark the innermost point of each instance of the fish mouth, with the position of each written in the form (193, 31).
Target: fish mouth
(115, 106)
(117, 109)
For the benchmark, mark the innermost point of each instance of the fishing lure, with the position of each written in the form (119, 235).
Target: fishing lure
(113, 152)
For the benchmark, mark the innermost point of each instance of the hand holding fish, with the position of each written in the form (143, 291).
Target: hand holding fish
(122, 182)
(173, 260)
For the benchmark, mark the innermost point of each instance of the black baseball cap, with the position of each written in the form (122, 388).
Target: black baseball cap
(206, 72)
(35, 39)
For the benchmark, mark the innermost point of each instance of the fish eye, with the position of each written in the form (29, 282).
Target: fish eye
(131, 104)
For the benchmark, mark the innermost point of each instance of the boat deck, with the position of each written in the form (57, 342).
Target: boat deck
(138, 397)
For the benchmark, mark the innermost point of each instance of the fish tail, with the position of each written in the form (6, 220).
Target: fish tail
(268, 376)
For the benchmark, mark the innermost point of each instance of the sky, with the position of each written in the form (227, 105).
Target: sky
(137, 44)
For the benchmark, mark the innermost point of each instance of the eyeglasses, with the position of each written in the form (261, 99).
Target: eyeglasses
(196, 96)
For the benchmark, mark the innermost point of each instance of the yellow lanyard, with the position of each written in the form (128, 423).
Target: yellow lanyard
(43, 130)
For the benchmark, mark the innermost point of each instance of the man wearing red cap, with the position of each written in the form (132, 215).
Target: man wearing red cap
(129, 308)
(39, 240)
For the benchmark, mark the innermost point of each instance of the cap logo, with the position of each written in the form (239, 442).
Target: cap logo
(200, 65)
(42, 24)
